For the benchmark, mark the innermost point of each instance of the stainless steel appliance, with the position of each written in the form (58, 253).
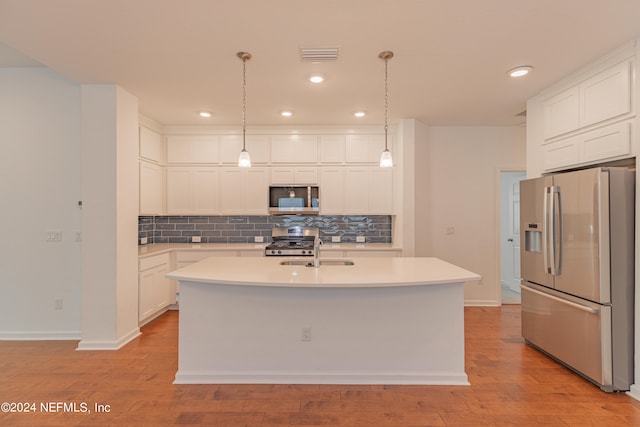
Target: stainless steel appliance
(577, 266)
(294, 199)
(292, 241)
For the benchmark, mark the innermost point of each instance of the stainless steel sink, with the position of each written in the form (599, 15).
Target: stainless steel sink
(327, 262)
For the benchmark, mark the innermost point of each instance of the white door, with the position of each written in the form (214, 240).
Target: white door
(510, 229)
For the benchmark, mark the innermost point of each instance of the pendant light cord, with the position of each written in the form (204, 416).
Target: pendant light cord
(244, 102)
(386, 103)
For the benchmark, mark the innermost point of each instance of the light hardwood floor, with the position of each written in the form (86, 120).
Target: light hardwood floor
(511, 384)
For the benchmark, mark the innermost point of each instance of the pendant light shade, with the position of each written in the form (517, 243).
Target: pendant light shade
(386, 161)
(244, 160)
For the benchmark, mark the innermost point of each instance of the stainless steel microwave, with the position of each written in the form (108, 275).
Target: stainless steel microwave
(294, 199)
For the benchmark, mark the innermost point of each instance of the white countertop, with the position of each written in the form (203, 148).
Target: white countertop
(367, 272)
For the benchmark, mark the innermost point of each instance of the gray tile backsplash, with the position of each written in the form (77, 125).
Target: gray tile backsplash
(244, 229)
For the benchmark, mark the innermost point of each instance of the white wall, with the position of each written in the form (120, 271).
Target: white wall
(110, 193)
(464, 175)
(40, 185)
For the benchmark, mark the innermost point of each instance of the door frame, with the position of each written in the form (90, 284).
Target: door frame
(499, 220)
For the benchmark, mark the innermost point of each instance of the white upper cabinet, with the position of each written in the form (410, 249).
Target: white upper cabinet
(369, 190)
(561, 113)
(332, 149)
(332, 190)
(151, 188)
(150, 145)
(294, 149)
(601, 97)
(244, 191)
(192, 191)
(365, 148)
(606, 95)
(294, 175)
(186, 149)
(257, 146)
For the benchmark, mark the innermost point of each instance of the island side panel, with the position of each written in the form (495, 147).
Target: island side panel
(253, 334)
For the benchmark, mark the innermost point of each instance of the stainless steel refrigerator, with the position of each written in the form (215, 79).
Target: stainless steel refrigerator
(577, 267)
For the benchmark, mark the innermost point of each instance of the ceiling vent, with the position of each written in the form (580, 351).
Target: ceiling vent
(319, 54)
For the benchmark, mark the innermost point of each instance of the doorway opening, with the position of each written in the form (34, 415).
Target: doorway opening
(510, 236)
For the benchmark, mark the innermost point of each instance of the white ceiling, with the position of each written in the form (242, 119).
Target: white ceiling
(451, 56)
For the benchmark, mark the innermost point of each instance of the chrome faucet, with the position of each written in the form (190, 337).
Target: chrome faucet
(316, 251)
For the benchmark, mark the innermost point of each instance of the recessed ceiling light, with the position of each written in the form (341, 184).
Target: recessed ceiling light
(359, 114)
(286, 113)
(520, 71)
(316, 78)
(205, 114)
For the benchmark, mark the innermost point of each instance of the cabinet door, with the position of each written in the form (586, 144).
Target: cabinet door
(282, 175)
(332, 184)
(357, 191)
(231, 191)
(381, 191)
(179, 191)
(205, 191)
(150, 144)
(365, 148)
(605, 143)
(606, 95)
(561, 113)
(150, 189)
(231, 145)
(145, 294)
(161, 288)
(256, 191)
(305, 149)
(561, 154)
(305, 175)
(192, 149)
(332, 148)
(294, 149)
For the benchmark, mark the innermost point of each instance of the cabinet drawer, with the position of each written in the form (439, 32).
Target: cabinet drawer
(193, 256)
(152, 262)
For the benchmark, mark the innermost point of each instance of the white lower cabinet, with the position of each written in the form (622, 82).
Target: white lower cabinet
(155, 291)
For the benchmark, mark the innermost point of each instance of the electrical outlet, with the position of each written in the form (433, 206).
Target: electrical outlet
(360, 239)
(196, 239)
(54, 236)
(258, 239)
(335, 239)
(144, 240)
(57, 304)
(305, 334)
(450, 231)
(78, 236)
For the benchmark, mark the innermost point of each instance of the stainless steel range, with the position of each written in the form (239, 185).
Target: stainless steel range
(292, 241)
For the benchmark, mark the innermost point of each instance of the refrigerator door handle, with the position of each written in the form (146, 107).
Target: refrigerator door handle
(545, 230)
(556, 230)
(563, 301)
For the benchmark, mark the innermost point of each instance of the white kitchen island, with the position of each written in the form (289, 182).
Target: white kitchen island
(394, 320)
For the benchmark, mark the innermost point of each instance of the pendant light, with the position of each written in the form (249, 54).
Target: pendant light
(244, 160)
(385, 158)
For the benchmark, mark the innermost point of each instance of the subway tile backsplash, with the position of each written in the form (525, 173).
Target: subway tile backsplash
(244, 229)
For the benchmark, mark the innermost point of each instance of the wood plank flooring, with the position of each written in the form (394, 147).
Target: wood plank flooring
(511, 385)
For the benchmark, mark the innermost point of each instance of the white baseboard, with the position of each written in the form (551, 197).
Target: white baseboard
(482, 303)
(108, 345)
(634, 391)
(319, 377)
(40, 335)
